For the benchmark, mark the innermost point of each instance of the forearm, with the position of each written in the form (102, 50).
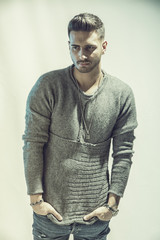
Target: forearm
(33, 166)
(122, 154)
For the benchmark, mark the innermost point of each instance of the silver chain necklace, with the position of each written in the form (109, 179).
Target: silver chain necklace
(87, 128)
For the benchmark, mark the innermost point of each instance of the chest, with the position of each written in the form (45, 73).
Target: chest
(99, 113)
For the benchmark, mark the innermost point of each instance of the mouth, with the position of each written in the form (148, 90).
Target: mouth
(83, 64)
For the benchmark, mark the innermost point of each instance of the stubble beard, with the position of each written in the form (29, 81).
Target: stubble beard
(88, 68)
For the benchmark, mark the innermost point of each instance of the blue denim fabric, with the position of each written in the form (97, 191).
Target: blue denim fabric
(44, 229)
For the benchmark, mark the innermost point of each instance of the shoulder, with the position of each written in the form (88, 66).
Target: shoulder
(117, 85)
(50, 80)
(53, 76)
(118, 91)
(48, 83)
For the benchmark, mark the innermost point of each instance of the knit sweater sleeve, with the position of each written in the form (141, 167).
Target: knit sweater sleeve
(123, 137)
(37, 123)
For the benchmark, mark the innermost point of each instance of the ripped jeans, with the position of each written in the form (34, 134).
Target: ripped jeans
(45, 229)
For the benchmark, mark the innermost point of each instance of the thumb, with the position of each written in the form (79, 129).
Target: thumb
(89, 216)
(56, 214)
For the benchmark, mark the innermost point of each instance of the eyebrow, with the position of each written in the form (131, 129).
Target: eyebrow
(76, 45)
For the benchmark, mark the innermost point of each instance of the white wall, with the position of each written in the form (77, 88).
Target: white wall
(33, 40)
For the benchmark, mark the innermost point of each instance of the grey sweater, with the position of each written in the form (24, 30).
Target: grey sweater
(71, 172)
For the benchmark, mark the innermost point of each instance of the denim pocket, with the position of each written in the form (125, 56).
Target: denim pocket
(39, 215)
(52, 218)
(38, 235)
(103, 221)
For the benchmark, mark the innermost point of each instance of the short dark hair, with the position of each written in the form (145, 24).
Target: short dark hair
(87, 22)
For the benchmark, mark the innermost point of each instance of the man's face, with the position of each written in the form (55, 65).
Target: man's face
(86, 50)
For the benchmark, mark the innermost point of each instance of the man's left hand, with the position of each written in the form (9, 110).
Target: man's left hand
(102, 213)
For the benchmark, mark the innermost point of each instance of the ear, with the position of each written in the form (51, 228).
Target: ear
(104, 46)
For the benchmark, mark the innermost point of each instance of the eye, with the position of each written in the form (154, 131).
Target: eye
(75, 48)
(90, 48)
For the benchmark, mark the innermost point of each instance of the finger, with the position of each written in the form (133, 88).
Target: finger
(89, 216)
(56, 214)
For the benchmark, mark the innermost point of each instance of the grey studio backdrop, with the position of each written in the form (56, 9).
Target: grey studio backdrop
(33, 40)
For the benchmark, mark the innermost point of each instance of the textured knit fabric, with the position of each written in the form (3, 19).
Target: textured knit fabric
(70, 171)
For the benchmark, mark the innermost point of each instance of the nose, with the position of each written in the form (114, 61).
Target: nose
(82, 54)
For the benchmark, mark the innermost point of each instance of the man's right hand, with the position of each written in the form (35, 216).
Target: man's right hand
(44, 208)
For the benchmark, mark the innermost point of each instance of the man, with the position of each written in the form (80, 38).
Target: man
(72, 115)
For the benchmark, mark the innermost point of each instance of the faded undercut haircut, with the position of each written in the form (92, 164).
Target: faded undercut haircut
(87, 22)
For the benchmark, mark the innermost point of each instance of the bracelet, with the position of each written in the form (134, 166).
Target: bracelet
(114, 211)
(37, 203)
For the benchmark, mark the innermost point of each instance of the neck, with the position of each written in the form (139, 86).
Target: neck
(88, 82)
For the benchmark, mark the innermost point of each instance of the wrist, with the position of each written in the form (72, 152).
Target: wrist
(36, 198)
(113, 200)
(113, 210)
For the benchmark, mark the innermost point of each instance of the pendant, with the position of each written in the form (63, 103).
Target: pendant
(87, 136)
